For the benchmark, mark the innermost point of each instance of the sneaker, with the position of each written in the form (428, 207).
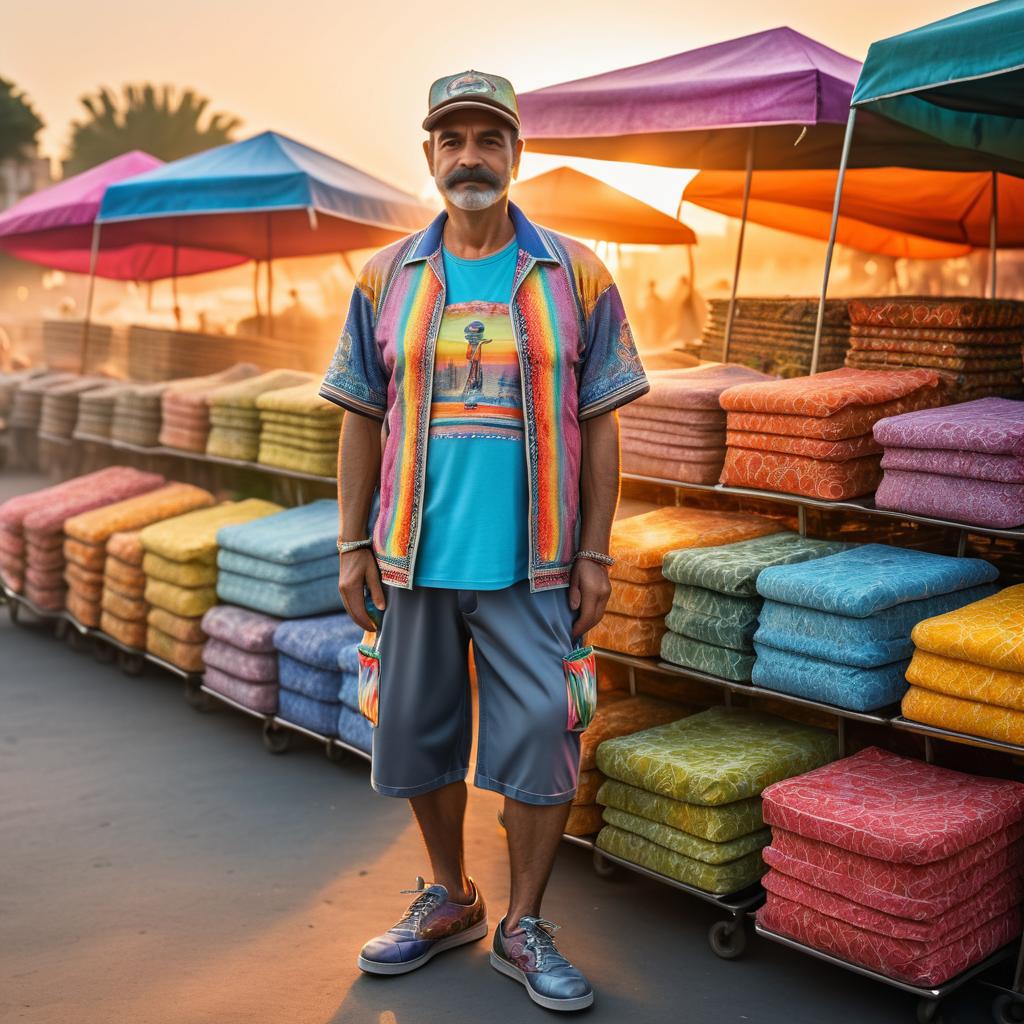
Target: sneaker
(530, 956)
(431, 925)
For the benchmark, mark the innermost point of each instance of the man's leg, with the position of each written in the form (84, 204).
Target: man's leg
(440, 815)
(534, 833)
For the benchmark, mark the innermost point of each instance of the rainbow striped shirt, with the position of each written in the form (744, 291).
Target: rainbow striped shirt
(577, 359)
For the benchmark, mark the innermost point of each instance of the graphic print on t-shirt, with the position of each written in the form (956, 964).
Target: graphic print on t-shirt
(476, 391)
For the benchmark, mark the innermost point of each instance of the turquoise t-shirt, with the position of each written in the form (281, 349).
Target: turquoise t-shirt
(474, 528)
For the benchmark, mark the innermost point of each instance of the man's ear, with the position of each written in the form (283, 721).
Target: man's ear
(428, 152)
(517, 155)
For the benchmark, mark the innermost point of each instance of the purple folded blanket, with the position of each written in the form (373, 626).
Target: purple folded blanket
(978, 502)
(252, 667)
(994, 426)
(240, 627)
(1005, 469)
(261, 697)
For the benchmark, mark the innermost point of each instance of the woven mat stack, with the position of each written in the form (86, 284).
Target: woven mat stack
(299, 430)
(96, 411)
(27, 407)
(837, 629)
(62, 344)
(715, 605)
(617, 715)
(32, 558)
(180, 564)
(677, 430)
(684, 799)
(902, 867)
(961, 462)
(777, 335)
(967, 672)
(137, 415)
(9, 384)
(634, 621)
(812, 435)
(973, 344)
(311, 653)
(239, 659)
(86, 536)
(285, 565)
(234, 417)
(185, 415)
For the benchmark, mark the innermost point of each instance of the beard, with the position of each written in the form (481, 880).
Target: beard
(494, 187)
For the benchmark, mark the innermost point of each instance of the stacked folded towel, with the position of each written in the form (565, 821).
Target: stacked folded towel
(27, 406)
(973, 344)
(299, 430)
(967, 672)
(353, 726)
(685, 800)
(902, 867)
(616, 715)
(96, 411)
(185, 414)
(635, 617)
(9, 384)
(234, 417)
(180, 564)
(123, 607)
(716, 605)
(310, 653)
(32, 528)
(60, 405)
(812, 435)
(86, 536)
(837, 629)
(240, 658)
(677, 430)
(137, 415)
(962, 462)
(285, 565)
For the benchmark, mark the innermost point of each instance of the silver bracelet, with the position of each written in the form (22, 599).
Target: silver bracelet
(595, 556)
(345, 546)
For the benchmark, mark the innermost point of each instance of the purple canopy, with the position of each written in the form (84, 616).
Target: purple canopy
(54, 227)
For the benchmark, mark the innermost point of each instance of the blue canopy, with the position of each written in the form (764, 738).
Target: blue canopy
(265, 197)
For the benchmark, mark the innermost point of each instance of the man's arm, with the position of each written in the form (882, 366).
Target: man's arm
(358, 474)
(589, 585)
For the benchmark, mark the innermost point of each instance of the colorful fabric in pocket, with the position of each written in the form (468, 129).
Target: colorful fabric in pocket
(723, 662)
(580, 670)
(369, 683)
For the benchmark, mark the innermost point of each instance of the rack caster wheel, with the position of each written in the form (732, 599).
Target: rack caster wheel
(131, 664)
(78, 642)
(928, 1011)
(1008, 1009)
(728, 939)
(603, 867)
(276, 739)
(336, 755)
(103, 652)
(13, 612)
(197, 700)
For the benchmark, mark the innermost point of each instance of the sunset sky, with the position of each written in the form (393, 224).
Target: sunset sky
(352, 78)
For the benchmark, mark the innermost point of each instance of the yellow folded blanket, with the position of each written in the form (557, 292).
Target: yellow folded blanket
(968, 716)
(193, 536)
(966, 680)
(244, 394)
(304, 462)
(126, 609)
(302, 398)
(183, 574)
(131, 634)
(174, 499)
(187, 656)
(188, 602)
(189, 630)
(126, 577)
(987, 632)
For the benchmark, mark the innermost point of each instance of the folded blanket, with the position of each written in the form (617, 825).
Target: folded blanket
(967, 716)
(583, 820)
(918, 311)
(304, 462)
(622, 717)
(188, 630)
(260, 697)
(724, 662)
(973, 465)
(131, 634)
(810, 447)
(181, 574)
(316, 683)
(244, 394)
(695, 388)
(675, 452)
(324, 448)
(289, 537)
(711, 629)
(88, 556)
(246, 665)
(994, 426)
(640, 600)
(125, 547)
(896, 358)
(980, 502)
(730, 610)
(41, 558)
(194, 535)
(717, 756)
(319, 641)
(50, 599)
(284, 600)
(667, 433)
(187, 602)
(317, 716)
(628, 635)
(248, 630)
(670, 469)
(302, 399)
(870, 578)
(354, 729)
(661, 416)
(125, 578)
(277, 572)
(873, 343)
(187, 656)
(87, 612)
(964, 679)
(125, 608)
(957, 335)
(588, 783)
(795, 474)
(720, 824)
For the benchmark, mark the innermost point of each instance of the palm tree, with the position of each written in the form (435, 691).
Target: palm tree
(19, 123)
(149, 118)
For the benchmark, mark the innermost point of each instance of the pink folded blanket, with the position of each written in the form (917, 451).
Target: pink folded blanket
(979, 502)
(669, 469)
(696, 388)
(674, 452)
(1006, 469)
(991, 425)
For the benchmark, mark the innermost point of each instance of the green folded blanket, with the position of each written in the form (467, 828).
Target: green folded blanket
(724, 662)
(711, 629)
(326, 446)
(740, 611)
(300, 431)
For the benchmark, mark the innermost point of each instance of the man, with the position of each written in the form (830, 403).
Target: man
(484, 520)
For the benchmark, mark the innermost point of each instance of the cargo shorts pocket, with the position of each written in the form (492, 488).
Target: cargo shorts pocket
(580, 668)
(369, 681)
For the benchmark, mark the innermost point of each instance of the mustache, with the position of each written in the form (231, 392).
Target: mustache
(481, 175)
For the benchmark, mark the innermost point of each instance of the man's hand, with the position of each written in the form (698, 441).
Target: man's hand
(589, 589)
(359, 570)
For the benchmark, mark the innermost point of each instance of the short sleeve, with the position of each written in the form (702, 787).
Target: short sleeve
(355, 378)
(611, 374)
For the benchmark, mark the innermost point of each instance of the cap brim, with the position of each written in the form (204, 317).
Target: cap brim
(432, 118)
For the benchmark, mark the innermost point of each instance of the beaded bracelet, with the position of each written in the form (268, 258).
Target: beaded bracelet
(345, 546)
(595, 556)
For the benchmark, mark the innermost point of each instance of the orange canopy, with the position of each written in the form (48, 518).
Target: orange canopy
(894, 211)
(575, 203)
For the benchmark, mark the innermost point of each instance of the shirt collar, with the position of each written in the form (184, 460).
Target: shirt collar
(528, 237)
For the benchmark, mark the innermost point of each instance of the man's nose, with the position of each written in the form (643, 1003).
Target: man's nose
(470, 156)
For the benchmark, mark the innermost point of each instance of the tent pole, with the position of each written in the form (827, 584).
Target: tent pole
(256, 291)
(847, 140)
(739, 244)
(270, 279)
(993, 233)
(174, 287)
(94, 252)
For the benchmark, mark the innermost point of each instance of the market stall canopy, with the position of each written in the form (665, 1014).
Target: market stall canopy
(889, 210)
(54, 227)
(569, 201)
(264, 197)
(960, 79)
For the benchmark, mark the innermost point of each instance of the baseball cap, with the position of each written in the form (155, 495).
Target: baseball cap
(472, 90)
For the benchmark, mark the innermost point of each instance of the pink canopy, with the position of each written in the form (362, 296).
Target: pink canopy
(54, 227)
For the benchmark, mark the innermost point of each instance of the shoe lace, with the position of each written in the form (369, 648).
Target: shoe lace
(540, 941)
(425, 902)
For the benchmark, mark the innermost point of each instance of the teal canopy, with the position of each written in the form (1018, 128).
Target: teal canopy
(960, 80)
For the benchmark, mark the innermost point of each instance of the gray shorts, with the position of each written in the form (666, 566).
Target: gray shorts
(424, 732)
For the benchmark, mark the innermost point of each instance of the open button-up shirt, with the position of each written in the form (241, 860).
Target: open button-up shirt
(577, 359)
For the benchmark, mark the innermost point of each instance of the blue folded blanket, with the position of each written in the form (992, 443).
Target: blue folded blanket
(868, 579)
(349, 692)
(317, 683)
(295, 535)
(286, 601)
(317, 715)
(355, 729)
(278, 572)
(317, 641)
(858, 689)
(348, 660)
(868, 642)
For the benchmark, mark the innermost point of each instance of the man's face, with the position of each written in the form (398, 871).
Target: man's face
(473, 157)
